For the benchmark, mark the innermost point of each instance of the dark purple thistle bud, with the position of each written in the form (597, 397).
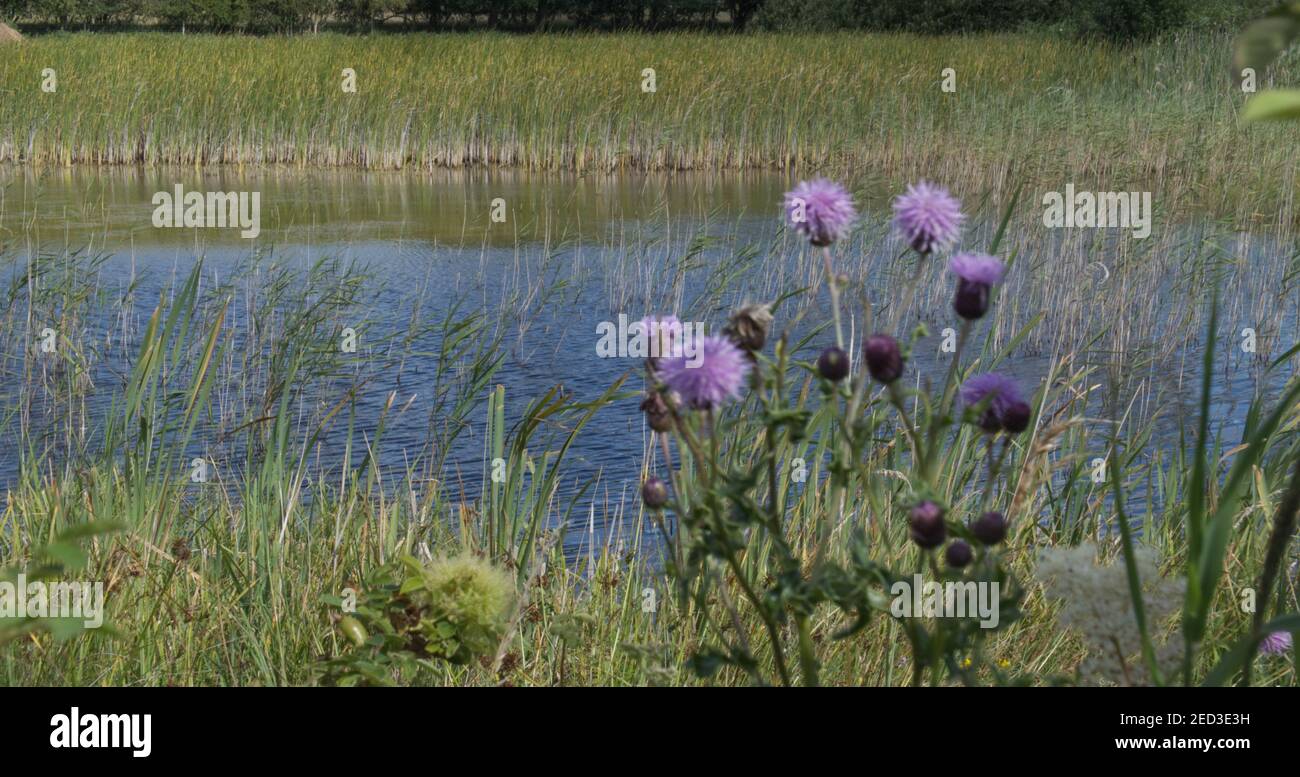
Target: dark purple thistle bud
(654, 492)
(657, 414)
(884, 359)
(972, 300)
(976, 275)
(1015, 418)
(958, 554)
(925, 525)
(990, 422)
(990, 528)
(833, 364)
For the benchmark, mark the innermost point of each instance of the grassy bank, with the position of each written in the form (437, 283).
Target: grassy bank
(1163, 115)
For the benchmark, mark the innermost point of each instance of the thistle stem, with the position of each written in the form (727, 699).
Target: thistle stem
(835, 296)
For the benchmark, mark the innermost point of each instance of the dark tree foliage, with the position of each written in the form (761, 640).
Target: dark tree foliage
(1130, 19)
(1114, 19)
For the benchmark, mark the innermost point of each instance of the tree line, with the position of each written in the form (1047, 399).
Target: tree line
(1125, 19)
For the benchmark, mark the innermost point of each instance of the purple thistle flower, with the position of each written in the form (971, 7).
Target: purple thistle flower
(1003, 390)
(1004, 399)
(1275, 644)
(928, 217)
(977, 268)
(976, 275)
(716, 377)
(821, 209)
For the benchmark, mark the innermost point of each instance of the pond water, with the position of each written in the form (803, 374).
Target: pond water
(575, 251)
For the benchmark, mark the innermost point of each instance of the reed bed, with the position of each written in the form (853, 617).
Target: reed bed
(1025, 107)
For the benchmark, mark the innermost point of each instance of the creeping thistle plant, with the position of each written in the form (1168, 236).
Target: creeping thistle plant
(748, 542)
(735, 541)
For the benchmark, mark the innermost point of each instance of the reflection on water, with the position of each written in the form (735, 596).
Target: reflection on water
(113, 206)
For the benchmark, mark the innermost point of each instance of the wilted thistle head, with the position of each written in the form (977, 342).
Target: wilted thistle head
(1275, 644)
(821, 210)
(467, 600)
(181, 549)
(976, 275)
(657, 413)
(1004, 400)
(749, 326)
(717, 377)
(927, 217)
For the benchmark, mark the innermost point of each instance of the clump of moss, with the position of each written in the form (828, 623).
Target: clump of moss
(411, 615)
(463, 603)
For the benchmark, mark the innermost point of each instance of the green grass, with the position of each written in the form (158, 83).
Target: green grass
(1163, 115)
(227, 583)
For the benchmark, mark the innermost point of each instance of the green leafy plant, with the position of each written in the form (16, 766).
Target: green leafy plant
(413, 614)
(1260, 45)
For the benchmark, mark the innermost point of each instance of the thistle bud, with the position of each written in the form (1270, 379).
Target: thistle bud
(1015, 419)
(749, 326)
(990, 421)
(654, 492)
(884, 360)
(972, 299)
(990, 528)
(977, 274)
(657, 414)
(833, 364)
(958, 554)
(926, 526)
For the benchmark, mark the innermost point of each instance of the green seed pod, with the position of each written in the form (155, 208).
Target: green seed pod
(353, 630)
